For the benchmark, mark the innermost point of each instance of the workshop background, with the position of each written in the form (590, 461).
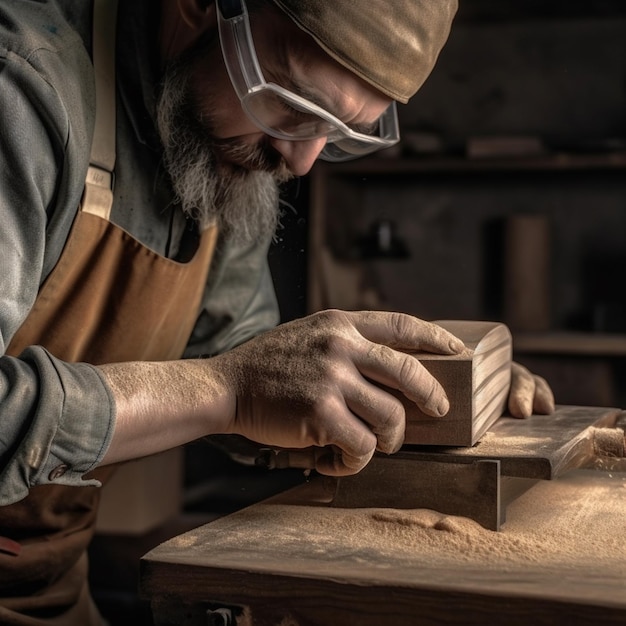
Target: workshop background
(506, 200)
(513, 156)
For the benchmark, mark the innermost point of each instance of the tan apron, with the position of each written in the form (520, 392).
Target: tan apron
(108, 299)
(115, 300)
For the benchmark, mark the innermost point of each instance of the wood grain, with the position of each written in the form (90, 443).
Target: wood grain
(539, 447)
(476, 382)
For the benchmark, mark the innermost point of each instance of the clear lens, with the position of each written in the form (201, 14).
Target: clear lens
(286, 115)
(346, 149)
(283, 117)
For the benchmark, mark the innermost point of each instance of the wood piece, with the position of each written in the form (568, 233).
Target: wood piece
(560, 559)
(539, 447)
(452, 480)
(468, 489)
(527, 273)
(476, 382)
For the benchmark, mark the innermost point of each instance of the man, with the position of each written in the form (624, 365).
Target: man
(99, 304)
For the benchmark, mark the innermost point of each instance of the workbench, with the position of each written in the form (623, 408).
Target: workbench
(293, 560)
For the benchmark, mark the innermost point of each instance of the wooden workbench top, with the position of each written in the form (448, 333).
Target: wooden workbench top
(560, 558)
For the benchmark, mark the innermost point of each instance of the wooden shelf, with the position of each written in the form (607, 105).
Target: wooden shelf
(570, 343)
(328, 179)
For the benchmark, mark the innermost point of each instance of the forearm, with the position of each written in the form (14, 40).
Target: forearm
(319, 381)
(161, 405)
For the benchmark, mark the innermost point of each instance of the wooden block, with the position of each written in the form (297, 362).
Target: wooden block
(527, 286)
(477, 383)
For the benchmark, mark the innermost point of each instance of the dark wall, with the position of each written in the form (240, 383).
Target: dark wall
(563, 82)
(559, 81)
(563, 79)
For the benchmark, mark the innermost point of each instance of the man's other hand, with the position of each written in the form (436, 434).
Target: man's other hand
(529, 393)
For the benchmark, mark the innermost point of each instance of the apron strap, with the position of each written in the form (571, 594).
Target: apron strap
(98, 193)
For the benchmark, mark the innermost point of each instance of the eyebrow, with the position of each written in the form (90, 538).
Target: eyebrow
(366, 129)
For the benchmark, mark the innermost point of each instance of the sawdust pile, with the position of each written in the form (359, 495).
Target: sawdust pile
(545, 528)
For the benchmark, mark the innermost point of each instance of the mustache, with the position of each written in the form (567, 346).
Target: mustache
(260, 157)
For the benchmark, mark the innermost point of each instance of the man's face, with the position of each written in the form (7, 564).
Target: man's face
(292, 59)
(204, 127)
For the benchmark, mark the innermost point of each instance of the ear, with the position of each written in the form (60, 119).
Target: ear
(199, 15)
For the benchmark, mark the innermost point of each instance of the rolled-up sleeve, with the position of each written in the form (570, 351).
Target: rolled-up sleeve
(57, 422)
(56, 418)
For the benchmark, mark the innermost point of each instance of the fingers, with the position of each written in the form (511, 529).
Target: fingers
(406, 374)
(337, 462)
(522, 391)
(366, 419)
(374, 350)
(405, 332)
(383, 413)
(529, 393)
(347, 443)
(544, 398)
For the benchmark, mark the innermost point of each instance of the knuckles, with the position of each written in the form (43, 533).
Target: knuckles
(403, 327)
(411, 372)
(329, 333)
(325, 404)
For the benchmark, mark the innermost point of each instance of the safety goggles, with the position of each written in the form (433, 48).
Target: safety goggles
(284, 114)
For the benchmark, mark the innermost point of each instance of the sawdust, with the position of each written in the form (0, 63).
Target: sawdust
(492, 443)
(556, 526)
(609, 442)
(379, 534)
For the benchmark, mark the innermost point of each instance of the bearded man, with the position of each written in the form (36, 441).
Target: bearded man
(141, 158)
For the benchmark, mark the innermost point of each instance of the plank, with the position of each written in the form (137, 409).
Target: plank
(539, 447)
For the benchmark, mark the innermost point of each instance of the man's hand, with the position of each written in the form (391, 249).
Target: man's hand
(529, 393)
(311, 383)
(318, 381)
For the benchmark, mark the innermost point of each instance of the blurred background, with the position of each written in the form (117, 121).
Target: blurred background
(506, 199)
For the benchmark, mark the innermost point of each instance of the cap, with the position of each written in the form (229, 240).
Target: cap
(393, 45)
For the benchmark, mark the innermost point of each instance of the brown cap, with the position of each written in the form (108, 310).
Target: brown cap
(392, 44)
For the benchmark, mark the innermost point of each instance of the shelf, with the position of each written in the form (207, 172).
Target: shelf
(570, 343)
(375, 166)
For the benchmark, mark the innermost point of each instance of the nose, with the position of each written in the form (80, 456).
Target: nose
(299, 155)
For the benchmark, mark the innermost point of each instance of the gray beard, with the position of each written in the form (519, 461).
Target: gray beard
(243, 201)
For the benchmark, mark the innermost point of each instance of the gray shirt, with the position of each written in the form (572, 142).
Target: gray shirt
(55, 413)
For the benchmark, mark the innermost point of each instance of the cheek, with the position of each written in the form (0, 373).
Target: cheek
(218, 107)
